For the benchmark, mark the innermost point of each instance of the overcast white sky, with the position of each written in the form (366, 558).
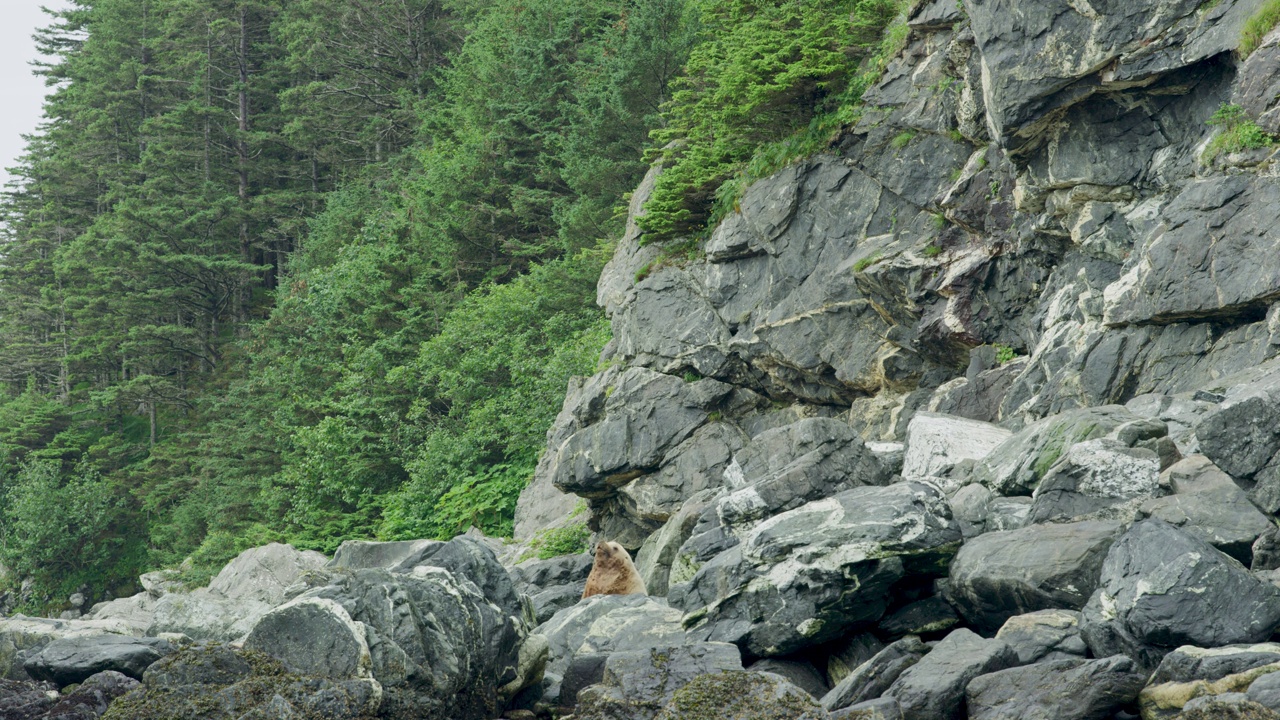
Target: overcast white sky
(23, 93)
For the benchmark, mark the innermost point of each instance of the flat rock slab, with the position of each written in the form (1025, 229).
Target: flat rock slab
(1042, 567)
(1062, 690)
(73, 660)
(937, 443)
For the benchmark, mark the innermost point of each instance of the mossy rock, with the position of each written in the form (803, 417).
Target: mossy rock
(741, 696)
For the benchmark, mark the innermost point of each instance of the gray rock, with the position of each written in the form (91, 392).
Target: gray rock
(89, 700)
(878, 709)
(658, 554)
(1178, 277)
(432, 641)
(873, 677)
(741, 696)
(262, 574)
(533, 576)
(1207, 503)
(923, 617)
(607, 623)
(1266, 691)
(849, 653)
(646, 415)
(696, 465)
(1243, 438)
(551, 601)
(1189, 663)
(784, 468)
(73, 660)
(314, 636)
(1002, 574)
(1093, 476)
(202, 615)
(1018, 464)
(1052, 634)
(972, 507)
(808, 575)
(933, 689)
(1162, 587)
(1258, 85)
(1063, 690)
(800, 673)
(638, 685)
(936, 443)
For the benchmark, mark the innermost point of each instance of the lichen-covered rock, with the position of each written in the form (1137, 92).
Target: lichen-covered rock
(1162, 587)
(806, 576)
(741, 696)
(1061, 689)
(1242, 437)
(1092, 477)
(1017, 465)
(1002, 574)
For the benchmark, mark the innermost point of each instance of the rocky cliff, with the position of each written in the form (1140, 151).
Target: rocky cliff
(975, 415)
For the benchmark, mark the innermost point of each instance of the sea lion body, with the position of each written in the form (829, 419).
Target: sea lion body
(613, 573)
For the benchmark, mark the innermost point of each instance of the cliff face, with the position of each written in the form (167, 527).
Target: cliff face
(1029, 177)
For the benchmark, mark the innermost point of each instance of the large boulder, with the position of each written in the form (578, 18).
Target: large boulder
(808, 575)
(218, 682)
(1044, 635)
(1242, 437)
(637, 685)
(937, 443)
(73, 660)
(1207, 503)
(783, 468)
(741, 696)
(933, 689)
(1179, 277)
(1017, 465)
(1092, 477)
(433, 642)
(245, 590)
(22, 637)
(1162, 587)
(1062, 690)
(1002, 574)
(870, 679)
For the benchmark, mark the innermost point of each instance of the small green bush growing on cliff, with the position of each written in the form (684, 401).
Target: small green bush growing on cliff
(902, 139)
(867, 262)
(1004, 353)
(1257, 27)
(1238, 132)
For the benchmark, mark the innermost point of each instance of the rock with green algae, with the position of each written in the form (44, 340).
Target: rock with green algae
(217, 682)
(742, 696)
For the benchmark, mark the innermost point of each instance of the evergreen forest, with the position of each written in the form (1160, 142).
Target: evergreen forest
(316, 270)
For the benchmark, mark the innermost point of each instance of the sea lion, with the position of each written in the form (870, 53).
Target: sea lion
(613, 573)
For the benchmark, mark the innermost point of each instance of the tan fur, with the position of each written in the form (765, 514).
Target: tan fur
(613, 573)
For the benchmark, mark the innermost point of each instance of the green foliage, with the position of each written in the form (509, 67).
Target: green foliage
(903, 139)
(62, 534)
(1257, 26)
(1236, 132)
(763, 73)
(931, 251)
(568, 540)
(1004, 353)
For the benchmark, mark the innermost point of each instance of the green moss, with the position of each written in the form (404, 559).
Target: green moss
(736, 696)
(1257, 27)
(956, 135)
(1004, 353)
(902, 139)
(931, 251)
(939, 220)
